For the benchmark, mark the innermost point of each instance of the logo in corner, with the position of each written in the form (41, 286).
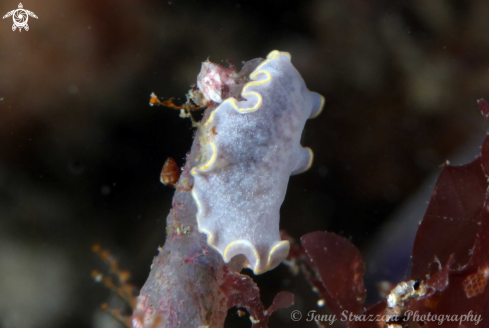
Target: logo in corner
(20, 17)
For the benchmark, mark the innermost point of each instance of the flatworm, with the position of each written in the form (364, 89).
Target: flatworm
(249, 149)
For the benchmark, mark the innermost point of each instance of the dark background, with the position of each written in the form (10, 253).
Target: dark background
(81, 150)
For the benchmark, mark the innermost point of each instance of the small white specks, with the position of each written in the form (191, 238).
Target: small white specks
(254, 320)
(321, 302)
(98, 277)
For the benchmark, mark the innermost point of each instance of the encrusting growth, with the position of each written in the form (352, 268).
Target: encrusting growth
(185, 110)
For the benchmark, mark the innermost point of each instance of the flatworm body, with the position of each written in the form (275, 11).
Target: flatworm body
(249, 149)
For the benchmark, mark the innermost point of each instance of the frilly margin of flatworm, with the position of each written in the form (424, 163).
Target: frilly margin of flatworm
(283, 245)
